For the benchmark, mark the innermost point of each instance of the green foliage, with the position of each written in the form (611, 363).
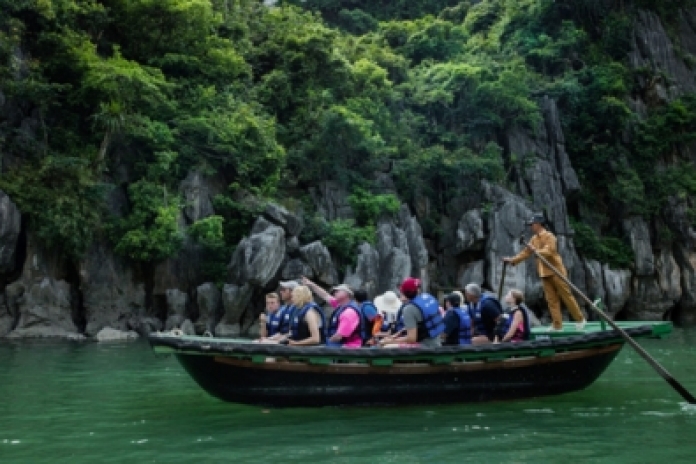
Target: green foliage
(343, 238)
(611, 250)
(369, 207)
(208, 231)
(62, 200)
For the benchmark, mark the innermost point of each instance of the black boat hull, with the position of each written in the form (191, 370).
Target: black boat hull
(285, 383)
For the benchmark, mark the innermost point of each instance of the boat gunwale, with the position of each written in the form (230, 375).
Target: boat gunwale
(386, 357)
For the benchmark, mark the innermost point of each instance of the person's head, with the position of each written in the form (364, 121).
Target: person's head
(452, 301)
(343, 293)
(514, 297)
(272, 302)
(360, 295)
(286, 289)
(472, 292)
(410, 287)
(462, 300)
(301, 295)
(536, 223)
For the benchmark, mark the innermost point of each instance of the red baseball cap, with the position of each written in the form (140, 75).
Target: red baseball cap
(410, 285)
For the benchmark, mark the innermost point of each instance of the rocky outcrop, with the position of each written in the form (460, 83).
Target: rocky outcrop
(208, 298)
(45, 311)
(112, 335)
(110, 295)
(319, 260)
(234, 300)
(258, 257)
(10, 225)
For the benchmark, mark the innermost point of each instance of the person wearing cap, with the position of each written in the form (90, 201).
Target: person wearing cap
(284, 314)
(555, 289)
(458, 326)
(420, 316)
(344, 328)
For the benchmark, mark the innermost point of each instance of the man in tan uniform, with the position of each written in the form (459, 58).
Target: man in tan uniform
(555, 289)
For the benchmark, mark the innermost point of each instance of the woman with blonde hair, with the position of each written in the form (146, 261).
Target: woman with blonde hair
(307, 324)
(513, 325)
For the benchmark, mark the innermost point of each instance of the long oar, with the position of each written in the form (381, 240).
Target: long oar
(502, 280)
(644, 354)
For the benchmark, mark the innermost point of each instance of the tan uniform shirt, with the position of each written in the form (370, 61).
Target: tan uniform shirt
(545, 244)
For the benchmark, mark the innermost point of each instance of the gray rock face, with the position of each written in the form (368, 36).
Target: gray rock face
(198, 192)
(366, 275)
(639, 236)
(332, 201)
(395, 262)
(318, 258)
(235, 300)
(107, 334)
(617, 283)
(470, 233)
(647, 302)
(45, 311)
(653, 49)
(414, 239)
(595, 280)
(291, 223)
(177, 305)
(295, 269)
(668, 276)
(686, 259)
(505, 224)
(471, 273)
(258, 258)
(110, 294)
(10, 224)
(181, 271)
(209, 299)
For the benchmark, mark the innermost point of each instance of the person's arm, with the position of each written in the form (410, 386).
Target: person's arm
(516, 319)
(263, 330)
(377, 324)
(410, 325)
(320, 292)
(312, 319)
(519, 257)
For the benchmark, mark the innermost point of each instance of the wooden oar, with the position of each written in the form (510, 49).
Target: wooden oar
(502, 280)
(644, 354)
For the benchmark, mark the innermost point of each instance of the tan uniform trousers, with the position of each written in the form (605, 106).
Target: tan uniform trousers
(555, 291)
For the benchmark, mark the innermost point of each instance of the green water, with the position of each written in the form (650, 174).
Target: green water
(117, 403)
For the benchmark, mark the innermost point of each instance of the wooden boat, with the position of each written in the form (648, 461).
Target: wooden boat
(551, 363)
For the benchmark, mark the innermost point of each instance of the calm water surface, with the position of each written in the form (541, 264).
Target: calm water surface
(75, 403)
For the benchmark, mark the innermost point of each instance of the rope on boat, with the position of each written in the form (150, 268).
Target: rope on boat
(208, 333)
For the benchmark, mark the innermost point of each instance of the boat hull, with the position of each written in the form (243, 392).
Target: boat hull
(287, 383)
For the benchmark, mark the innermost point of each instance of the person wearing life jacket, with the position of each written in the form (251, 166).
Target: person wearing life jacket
(371, 319)
(344, 327)
(457, 322)
(283, 315)
(307, 324)
(388, 304)
(484, 310)
(421, 318)
(513, 325)
(269, 321)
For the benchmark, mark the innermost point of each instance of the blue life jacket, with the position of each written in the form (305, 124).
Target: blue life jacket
(464, 326)
(368, 312)
(273, 323)
(285, 317)
(432, 324)
(333, 322)
(299, 329)
(508, 317)
(476, 316)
